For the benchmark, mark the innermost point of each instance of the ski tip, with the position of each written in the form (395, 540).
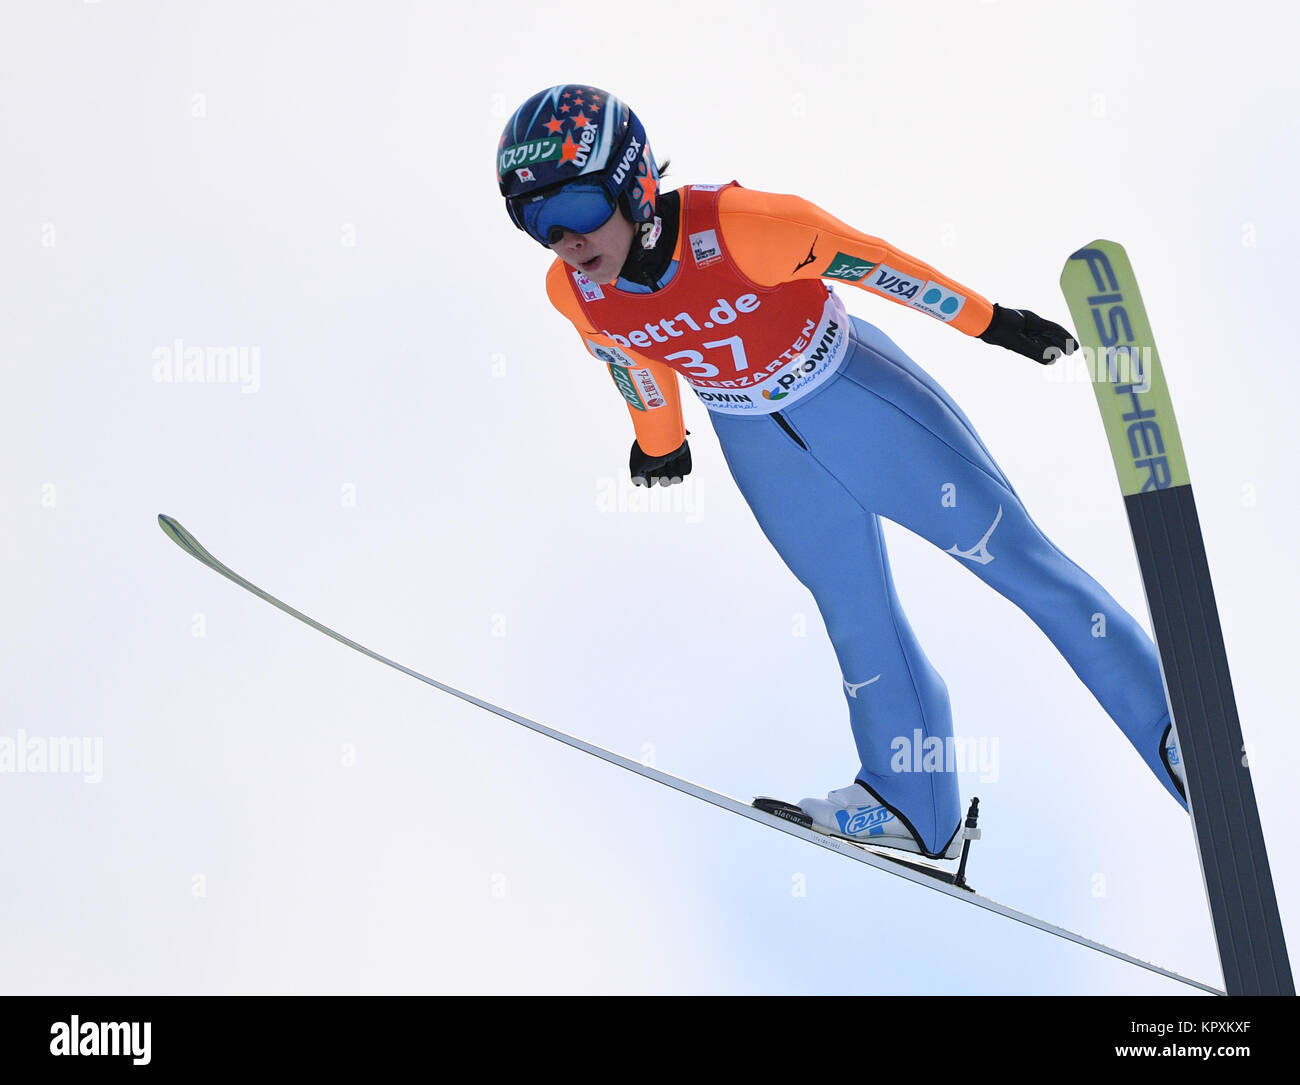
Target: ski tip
(173, 530)
(1082, 264)
(1100, 243)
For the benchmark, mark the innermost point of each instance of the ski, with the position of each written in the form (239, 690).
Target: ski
(864, 855)
(1127, 377)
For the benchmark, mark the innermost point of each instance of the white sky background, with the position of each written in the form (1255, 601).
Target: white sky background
(314, 181)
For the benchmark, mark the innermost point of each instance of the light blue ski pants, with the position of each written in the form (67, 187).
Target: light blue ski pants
(881, 438)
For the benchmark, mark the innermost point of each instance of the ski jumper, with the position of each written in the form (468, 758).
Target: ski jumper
(826, 426)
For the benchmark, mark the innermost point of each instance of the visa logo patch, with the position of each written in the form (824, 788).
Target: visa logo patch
(887, 280)
(930, 297)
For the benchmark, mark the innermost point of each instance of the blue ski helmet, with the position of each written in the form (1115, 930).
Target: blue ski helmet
(569, 157)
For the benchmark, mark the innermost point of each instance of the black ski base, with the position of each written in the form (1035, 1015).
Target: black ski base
(789, 812)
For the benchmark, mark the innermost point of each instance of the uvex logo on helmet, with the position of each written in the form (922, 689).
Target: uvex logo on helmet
(625, 164)
(585, 140)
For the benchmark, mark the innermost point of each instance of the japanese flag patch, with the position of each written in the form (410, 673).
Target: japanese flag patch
(589, 290)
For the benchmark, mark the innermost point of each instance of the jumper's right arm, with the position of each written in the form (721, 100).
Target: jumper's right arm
(649, 388)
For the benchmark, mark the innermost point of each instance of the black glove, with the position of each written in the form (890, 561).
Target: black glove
(646, 470)
(1028, 334)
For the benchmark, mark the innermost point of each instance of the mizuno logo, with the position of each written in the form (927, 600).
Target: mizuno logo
(853, 687)
(979, 553)
(810, 257)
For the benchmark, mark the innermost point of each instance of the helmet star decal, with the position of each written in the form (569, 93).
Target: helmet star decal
(568, 152)
(552, 126)
(649, 186)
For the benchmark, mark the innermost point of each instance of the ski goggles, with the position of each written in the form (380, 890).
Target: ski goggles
(578, 208)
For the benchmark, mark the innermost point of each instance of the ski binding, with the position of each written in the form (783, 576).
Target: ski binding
(789, 812)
